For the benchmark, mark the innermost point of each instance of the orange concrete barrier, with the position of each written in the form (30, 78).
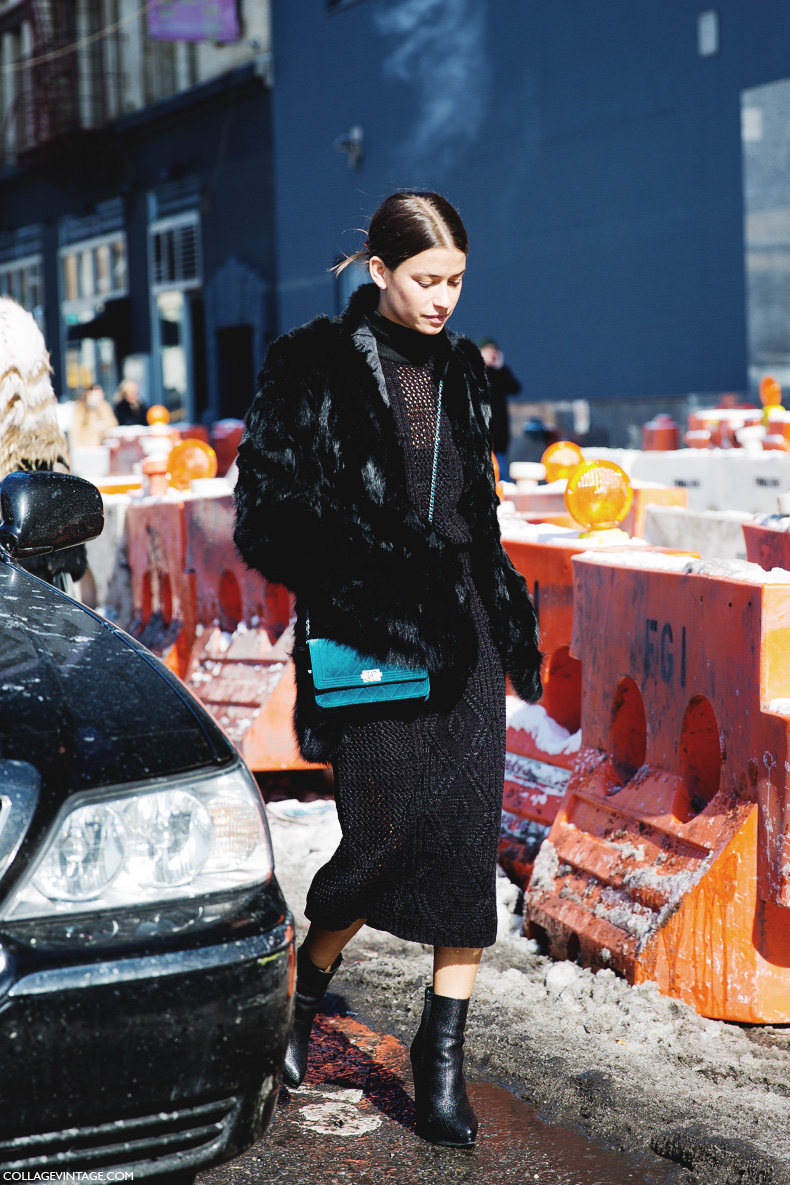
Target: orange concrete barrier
(767, 546)
(541, 738)
(240, 664)
(126, 447)
(661, 434)
(225, 439)
(220, 627)
(164, 595)
(669, 858)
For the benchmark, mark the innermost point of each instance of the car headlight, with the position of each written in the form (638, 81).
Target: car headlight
(143, 845)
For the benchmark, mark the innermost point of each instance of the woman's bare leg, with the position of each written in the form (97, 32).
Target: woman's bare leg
(323, 946)
(454, 970)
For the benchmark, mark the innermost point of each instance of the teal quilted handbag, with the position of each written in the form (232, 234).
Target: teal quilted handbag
(343, 678)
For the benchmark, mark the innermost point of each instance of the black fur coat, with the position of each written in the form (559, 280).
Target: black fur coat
(322, 507)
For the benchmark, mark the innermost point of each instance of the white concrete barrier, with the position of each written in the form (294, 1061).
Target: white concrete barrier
(715, 534)
(715, 479)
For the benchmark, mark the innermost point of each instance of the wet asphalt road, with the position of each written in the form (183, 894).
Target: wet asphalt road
(352, 1121)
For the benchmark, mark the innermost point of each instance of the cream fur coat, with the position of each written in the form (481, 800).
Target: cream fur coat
(29, 434)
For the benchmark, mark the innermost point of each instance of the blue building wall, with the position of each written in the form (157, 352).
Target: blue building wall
(594, 155)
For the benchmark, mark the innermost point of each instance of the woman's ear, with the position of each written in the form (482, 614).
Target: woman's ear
(378, 271)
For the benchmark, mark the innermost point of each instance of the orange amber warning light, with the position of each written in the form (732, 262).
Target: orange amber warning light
(560, 459)
(770, 391)
(599, 496)
(157, 414)
(189, 460)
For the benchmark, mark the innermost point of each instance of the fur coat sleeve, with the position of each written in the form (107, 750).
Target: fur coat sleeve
(516, 621)
(278, 511)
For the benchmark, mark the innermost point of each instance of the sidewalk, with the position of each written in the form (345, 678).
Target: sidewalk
(630, 1067)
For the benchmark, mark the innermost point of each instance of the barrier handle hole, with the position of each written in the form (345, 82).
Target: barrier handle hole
(701, 759)
(230, 606)
(562, 697)
(628, 730)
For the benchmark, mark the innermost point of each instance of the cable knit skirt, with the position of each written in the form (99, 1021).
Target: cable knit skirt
(419, 798)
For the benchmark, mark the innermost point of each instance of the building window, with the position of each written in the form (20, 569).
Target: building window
(94, 270)
(23, 281)
(95, 332)
(176, 278)
(175, 251)
(708, 33)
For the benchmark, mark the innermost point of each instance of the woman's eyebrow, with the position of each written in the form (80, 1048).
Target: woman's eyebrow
(430, 276)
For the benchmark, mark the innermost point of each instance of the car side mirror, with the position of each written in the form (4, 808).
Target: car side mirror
(42, 512)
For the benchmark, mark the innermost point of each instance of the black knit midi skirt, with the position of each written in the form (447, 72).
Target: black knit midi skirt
(419, 798)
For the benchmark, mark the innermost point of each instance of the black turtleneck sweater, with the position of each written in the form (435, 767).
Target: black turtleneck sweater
(401, 344)
(414, 364)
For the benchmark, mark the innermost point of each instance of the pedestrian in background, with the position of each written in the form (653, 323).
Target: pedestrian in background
(502, 384)
(366, 487)
(93, 418)
(128, 406)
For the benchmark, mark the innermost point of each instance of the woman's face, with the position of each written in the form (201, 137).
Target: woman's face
(421, 292)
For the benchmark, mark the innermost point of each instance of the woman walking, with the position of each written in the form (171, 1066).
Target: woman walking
(366, 487)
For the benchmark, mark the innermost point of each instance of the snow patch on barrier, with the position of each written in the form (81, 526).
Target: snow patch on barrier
(545, 868)
(514, 527)
(728, 569)
(780, 706)
(548, 735)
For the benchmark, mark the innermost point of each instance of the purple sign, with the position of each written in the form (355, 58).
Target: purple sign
(194, 20)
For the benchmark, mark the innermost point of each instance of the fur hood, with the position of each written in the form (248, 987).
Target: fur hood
(323, 508)
(29, 433)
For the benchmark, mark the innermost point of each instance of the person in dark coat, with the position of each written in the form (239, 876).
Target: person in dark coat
(390, 542)
(128, 406)
(502, 384)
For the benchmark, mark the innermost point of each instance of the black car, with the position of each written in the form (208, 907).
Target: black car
(146, 951)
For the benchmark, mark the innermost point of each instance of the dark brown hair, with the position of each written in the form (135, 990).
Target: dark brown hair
(407, 223)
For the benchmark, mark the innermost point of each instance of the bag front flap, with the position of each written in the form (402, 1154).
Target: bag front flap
(336, 666)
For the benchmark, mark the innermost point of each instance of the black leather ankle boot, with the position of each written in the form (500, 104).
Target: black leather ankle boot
(311, 983)
(444, 1114)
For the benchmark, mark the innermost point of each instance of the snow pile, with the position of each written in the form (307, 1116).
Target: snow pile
(548, 735)
(513, 526)
(780, 706)
(658, 562)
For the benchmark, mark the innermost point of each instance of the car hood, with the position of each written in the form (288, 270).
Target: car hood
(85, 704)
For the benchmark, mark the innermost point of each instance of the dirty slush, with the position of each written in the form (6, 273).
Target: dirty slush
(688, 1099)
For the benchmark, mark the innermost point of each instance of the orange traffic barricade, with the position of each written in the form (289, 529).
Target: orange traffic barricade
(669, 858)
(222, 628)
(225, 439)
(164, 594)
(240, 665)
(767, 545)
(543, 739)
